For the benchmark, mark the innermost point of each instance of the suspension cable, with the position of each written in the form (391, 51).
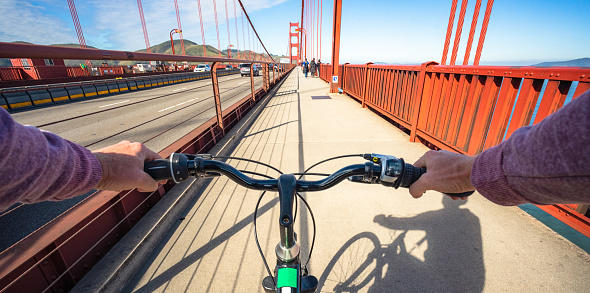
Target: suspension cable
(217, 27)
(179, 27)
(246, 13)
(202, 30)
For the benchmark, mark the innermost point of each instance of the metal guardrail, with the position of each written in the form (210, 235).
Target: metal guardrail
(466, 109)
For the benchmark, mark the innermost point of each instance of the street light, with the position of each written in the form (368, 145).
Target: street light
(171, 40)
(229, 51)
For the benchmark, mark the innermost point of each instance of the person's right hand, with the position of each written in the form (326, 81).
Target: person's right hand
(447, 172)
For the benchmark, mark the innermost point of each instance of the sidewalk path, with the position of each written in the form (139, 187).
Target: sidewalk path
(401, 244)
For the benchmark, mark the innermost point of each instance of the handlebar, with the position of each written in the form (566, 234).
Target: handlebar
(386, 170)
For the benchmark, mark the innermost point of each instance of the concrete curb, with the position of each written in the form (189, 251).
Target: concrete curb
(113, 271)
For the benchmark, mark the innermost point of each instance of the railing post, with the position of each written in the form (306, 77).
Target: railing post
(336, 45)
(217, 96)
(418, 98)
(265, 76)
(252, 81)
(366, 83)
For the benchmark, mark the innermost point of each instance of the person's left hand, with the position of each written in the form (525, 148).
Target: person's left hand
(122, 167)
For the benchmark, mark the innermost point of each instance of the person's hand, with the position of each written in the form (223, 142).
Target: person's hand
(446, 172)
(122, 167)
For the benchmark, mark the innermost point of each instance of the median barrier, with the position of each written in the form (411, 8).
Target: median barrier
(89, 90)
(101, 89)
(132, 83)
(140, 83)
(18, 100)
(59, 94)
(123, 86)
(113, 87)
(75, 92)
(3, 103)
(40, 97)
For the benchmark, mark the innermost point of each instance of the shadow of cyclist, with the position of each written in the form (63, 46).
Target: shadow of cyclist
(453, 259)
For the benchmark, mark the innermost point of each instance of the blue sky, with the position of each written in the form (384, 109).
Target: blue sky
(402, 32)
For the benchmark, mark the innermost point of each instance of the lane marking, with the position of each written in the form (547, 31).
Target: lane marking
(243, 82)
(177, 105)
(179, 89)
(114, 103)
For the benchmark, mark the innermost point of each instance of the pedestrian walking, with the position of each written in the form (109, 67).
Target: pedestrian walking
(305, 67)
(312, 67)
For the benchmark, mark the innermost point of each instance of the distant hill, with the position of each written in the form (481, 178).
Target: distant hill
(582, 62)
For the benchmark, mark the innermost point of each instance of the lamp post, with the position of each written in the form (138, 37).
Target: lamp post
(171, 40)
(304, 47)
(229, 51)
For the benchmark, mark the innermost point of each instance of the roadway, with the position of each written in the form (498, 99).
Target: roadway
(156, 116)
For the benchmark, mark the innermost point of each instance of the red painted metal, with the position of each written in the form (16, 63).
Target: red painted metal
(449, 32)
(145, 33)
(78, 27)
(459, 30)
(202, 30)
(179, 27)
(216, 96)
(472, 31)
(237, 34)
(483, 32)
(294, 34)
(228, 31)
(336, 44)
(217, 27)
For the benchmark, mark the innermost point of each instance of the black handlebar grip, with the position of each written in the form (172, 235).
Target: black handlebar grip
(158, 169)
(412, 174)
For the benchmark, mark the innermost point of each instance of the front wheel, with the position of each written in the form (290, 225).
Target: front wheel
(354, 266)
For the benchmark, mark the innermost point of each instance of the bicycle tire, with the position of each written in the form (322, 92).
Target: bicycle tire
(354, 265)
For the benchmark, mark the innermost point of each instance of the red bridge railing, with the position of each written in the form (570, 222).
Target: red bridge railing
(466, 109)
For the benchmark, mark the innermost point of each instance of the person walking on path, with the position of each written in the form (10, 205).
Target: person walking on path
(312, 67)
(305, 66)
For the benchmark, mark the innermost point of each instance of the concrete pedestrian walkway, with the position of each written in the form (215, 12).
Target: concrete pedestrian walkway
(398, 244)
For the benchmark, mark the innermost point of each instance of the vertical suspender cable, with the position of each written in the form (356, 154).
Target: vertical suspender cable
(321, 19)
(243, 35)
(217, 27)
(202, 30)
(237, 34)
(472, 31)
(145, 33)
(312, 20)
(300, 50)
(78, 27)
(484, 30)
(459, 30)
(179, 27)
(449, 32)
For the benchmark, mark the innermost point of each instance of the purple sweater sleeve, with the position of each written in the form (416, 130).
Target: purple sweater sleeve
(39, 166)
(546, 163)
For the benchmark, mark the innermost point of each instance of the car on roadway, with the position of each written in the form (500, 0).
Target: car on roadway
(228, 67)
(202, 68)
(245, 69)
